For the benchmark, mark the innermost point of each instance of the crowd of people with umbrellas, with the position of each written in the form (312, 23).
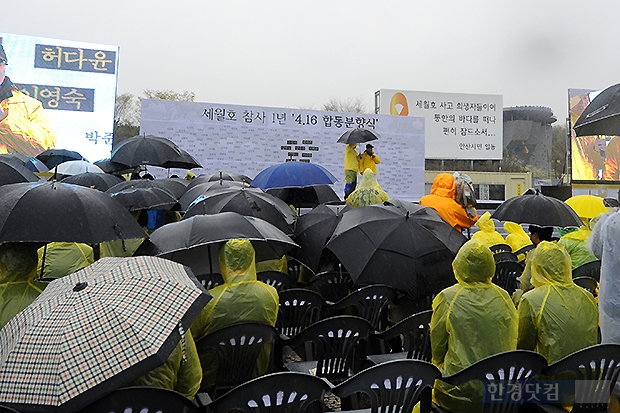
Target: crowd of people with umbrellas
(97, 273)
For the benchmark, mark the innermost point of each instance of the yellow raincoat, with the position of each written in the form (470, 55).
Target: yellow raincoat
(471, 320)
(576, 244)
(368, 192)
(18, 287)
(557, 317)
(181, 372)
(64, 258)
(487, 233)
(517, 238)
(240, 299)
(366, 161)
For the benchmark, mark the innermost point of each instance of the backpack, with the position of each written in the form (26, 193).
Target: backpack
(465, 194)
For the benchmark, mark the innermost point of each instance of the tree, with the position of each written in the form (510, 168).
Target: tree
(349, 105)
(184, 96)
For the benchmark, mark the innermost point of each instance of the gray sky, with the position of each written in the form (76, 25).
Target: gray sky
(301, 54)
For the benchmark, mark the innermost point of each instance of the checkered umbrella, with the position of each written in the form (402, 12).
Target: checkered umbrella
(93, 331)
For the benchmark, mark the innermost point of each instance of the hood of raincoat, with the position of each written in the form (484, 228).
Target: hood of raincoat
(236, 260)
(474, 263)
(517, 238)
(485, 223)
(551, 265)
(444, 185)
(368, 192)
(18, 262)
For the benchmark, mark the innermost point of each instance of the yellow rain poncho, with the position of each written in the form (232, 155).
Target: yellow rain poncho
(181, 372)
(471, 320)
(557, 317)
(273, 265)
(517, 238)
(64, 258)
(240, 299)
(368, 192)
(487, 233)
(576, 244)
(18, 288)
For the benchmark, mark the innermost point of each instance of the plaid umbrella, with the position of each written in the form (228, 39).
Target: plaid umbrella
(93, 331)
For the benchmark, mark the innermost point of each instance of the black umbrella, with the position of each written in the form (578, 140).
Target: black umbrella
(312, 232)
(195, 242)
(221, 176)
(174, 186)
(306, 197)
(152, 150)
(380, 244)
(137, 199)
(102, 182)
(600, 117)
(29, 162)
(245, 201)
(13, 171)
(53, 157)
(54, 211)
(194, 191)
(536, 208)
(110, 167)
(358, 135)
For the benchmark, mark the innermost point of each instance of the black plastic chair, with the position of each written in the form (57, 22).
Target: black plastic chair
(278, 280)
(237, 349)
(414, 332)
(497, 248)
(275, 393)
(6, 409)
(587, 283)
(332, 285)
(369, 303)
(334, 344)
(506, 274)
(595, 370)
(395, 386)
(590, 269)
(210, 280)
(505, 256)
(142, 399)
(510, 369)
(299, 308)
(524, 250)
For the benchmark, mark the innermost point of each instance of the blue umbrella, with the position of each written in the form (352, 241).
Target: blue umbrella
(292, 175)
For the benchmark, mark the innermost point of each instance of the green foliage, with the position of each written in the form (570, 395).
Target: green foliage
(184, 96)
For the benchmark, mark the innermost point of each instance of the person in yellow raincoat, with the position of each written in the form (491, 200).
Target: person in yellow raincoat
(18, 285)
(441, 199)
(368, 160)
(487, 233)
(240, 299)
(472, 320)
(351, 169)
(368, 192)
(517, 238)
(576, 244)
(557, 317)
(63, 258)
(181, 372)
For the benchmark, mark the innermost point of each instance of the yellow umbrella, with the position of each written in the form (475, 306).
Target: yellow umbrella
(587, 206)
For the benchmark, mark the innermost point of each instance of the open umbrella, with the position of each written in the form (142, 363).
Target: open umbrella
(194, 191)
(312, 232)
(601, 116)
(306, 197)
(96, 330)
(175, 187)
(29, 162)
(13, 171)
(98, 181)
(195, 242)
(70, 168)
(380, 244)
(54, 211)
(152, 150)
(245, 201)
(292, 174)
(587, 206)
(53, 157)
(358, 135)
(110, 167)
(220, 176)
(137, 199)
(536, 208)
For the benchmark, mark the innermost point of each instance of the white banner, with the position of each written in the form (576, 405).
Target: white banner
(458, 126)
(248, 139)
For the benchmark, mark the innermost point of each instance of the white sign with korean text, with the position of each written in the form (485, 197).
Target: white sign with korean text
(248, 139)
(458, 126)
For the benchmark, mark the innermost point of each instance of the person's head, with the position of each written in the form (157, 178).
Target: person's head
(236, 259)
(369, 149)
(18, 261)
(474, 263)
(551, 264)
(539, 234)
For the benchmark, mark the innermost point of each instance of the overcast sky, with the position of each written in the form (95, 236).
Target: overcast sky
(301, 54)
